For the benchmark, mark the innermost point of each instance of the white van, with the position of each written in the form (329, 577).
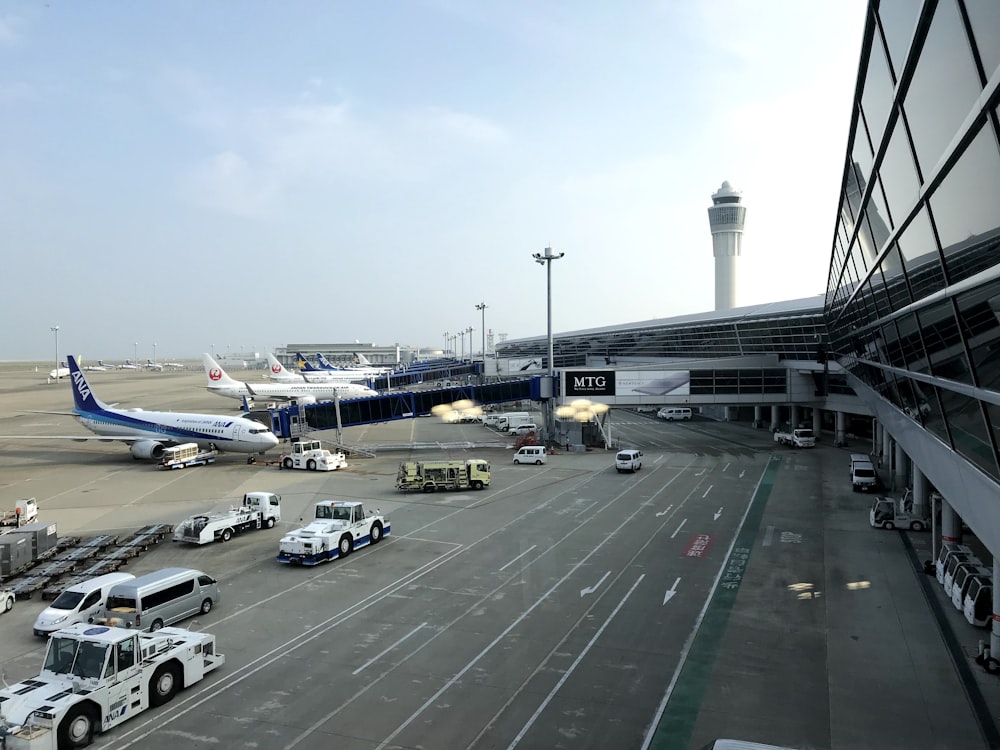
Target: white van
(161, 598)
(531, 454)
(864, 478)
(523, 429)
(628, 460)
(670, 413)
(77, 603)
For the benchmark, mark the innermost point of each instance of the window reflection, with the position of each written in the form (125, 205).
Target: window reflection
(985, 17)
(876, 101)
(968, 429)
(979, 316)
(945, 85)
(898, 20)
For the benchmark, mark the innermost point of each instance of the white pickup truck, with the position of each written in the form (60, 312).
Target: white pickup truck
(798, 438)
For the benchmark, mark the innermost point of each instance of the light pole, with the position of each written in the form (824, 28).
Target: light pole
(135, 353)
(546, 260)
(461, 343)
(55, 330)
(447, 338)
(154, 354)
(482, 309)
(469, 331)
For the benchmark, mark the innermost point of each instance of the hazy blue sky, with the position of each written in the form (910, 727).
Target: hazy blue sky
(246, 174)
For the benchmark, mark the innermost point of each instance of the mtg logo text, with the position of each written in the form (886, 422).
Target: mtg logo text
(590, 382)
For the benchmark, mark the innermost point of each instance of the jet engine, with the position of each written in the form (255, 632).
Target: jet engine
(146, 449)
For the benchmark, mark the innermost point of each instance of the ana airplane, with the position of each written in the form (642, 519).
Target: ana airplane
(151, 365)
(173, 365)
(358, 370)
(99, 367)
(147, 433)
(305, 393)
(129, 365)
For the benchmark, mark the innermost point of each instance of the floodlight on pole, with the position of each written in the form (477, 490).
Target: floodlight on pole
(545, 259)
(447, 338)
(154, 354)
(135, 353)
(482, 309)
(469, 331)
(55, 330)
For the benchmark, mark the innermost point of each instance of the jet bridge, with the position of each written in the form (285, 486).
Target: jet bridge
(295, 419)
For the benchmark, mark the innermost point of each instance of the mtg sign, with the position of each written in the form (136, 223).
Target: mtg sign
(590, 382)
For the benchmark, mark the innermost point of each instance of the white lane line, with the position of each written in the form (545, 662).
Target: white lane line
(705, 493)
(678, 530)
(768, 535)
(665, 511)
(573, 666)
(378, 656)
(517, 558)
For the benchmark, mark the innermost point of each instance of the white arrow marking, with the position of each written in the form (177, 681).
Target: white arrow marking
(671, 591)
(718, 513)
(664, 512)
(708, 490)
(700, 473)
(679, 528)
(592, 589)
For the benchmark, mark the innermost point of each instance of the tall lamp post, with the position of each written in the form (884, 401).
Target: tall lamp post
(55, 330)
(545, 259)
(154, 354)
(482, 309)
(135, 353)
(447, 338)
(469, 331)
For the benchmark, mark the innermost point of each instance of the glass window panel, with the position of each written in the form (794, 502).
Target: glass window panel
(969, 433)
(965, 207)
(921, 260)
(898, 19)
(985, 18)
(993, 417)
(979, 316)
(945, 85)
(932, 416)
(862, 156)
(887, 343)
(899, 175)
(878, 215)
(943, 343)
(911, 347)
(876, 101)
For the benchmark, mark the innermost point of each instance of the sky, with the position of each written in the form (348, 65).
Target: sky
(244, 174)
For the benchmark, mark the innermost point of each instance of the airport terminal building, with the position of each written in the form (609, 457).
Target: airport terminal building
(907, 336)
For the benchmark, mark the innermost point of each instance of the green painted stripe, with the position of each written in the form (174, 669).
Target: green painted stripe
(678, 719)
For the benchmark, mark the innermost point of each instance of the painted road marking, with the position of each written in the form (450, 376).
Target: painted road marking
(592, 589)
(669, 594)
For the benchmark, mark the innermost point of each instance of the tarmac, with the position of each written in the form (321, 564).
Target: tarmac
(813, 631)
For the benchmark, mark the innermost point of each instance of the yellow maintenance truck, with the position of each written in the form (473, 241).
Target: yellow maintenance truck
(431, 476)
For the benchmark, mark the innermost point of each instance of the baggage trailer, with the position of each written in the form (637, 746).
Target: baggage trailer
(260, 510)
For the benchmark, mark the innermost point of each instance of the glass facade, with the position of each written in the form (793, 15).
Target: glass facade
(913, 293)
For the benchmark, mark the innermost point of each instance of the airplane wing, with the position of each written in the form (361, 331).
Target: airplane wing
(81, 438)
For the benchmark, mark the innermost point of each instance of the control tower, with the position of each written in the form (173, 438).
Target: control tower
(726, 217)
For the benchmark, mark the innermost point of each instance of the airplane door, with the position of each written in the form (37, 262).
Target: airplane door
(237, 433)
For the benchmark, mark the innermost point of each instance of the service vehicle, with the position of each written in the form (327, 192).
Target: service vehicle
(864, 478)
(339, 528)
(260, 510)
(509, 419)
(946, 550)
(531, 454)
(890, 513)
(160, 598)
(952, 566)
(312, 456)
(430, 476)
(25, 511)
(187, 454)
(797, 438)
(525, 428)
(978, 604)
(629, 459)
(964, 575)
(80, 602)
(7, 598)
(95, 677)
(674, 413)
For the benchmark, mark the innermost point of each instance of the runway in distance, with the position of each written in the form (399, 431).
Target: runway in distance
(220, 383)
(147, 433)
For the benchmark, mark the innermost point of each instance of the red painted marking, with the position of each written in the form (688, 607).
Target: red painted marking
(996, 617)
(275, 369)
(949, 538)
(697, 546)
(214, 374)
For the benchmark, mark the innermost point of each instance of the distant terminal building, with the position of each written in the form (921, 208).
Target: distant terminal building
(726, 218)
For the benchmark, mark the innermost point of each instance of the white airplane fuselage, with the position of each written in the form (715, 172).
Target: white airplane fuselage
(233, 434)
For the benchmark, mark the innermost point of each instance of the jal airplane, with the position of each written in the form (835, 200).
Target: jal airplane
(129, 365)
(147, 433)
(305, 393)
(280, 374)
(151, 365)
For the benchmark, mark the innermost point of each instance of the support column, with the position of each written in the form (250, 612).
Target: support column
(886, 449)
(921, 492)
(730, 413)
(775, 417)
(793, 415)
(951, 524)
(877, 438)
(817, 421)
(841, 432)
(758, 416)
(899, 475)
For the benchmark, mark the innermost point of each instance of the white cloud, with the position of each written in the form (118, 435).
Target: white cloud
(460, 125)
(226, 182)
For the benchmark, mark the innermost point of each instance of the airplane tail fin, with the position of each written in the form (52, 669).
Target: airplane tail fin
(83, 398)
(361, 359)
(277, 369)
(324, 362)
(246, 405)
(304, 364)
(214, 374)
